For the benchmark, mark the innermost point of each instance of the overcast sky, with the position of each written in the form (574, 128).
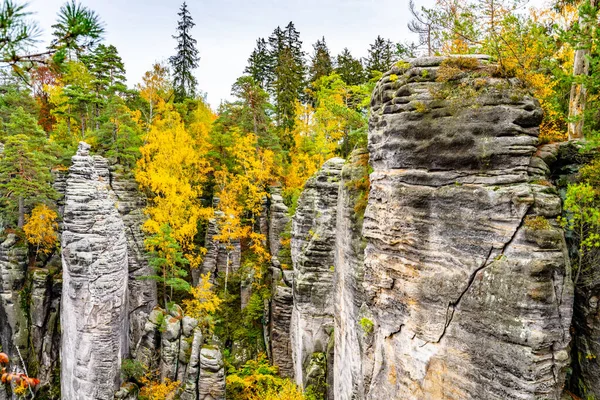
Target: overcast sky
(226, 30)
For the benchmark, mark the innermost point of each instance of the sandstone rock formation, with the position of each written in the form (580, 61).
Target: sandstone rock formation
(95, 278)
(219, 258)
(13, 269)
(174, 343)
(313, 243)
(466, 271)
(141, 293)
(350, 335)
(282, 299)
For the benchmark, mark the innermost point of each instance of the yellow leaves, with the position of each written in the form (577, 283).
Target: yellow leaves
(204, 301)
(153, 390)
(41, 228)
(288, 391)
(173, 167)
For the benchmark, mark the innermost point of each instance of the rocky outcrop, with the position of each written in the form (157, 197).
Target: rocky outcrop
(95, 278)
(141, 292)
(564, 161)
(466, 271)
(14, 327)
(211, 383)
(281, 293)
(174, 343)
(313, 244)
(278, 222)
(282, 303)
(349, 299)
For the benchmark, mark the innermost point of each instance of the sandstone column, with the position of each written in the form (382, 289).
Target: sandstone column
(95, 277)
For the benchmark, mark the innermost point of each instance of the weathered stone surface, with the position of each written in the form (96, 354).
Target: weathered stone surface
(469, 301)
(278, 221)
(280, 321)
(141, 297)
(211, 384)
(349, 295)
(564, 161)
(190, 391)
(313, 243)
(95, 277)
(14, 328)
(44, 309)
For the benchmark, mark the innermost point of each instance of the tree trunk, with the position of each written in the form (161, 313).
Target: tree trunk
(21, 221)
(581, 66)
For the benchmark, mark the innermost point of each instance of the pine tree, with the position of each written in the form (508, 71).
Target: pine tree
(288, 82)
(107, 67)
(253, 103)
(186, 59)
(260, 64)
(381, 56)
(321, 63)
(350, 69)
(78, 29)
(25, 164)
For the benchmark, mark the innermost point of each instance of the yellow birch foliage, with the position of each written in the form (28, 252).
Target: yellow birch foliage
(241, 190)
(155, 89)
(41, 228)
(153, 390)
(204, 302)
(174, 168)
(311, 148)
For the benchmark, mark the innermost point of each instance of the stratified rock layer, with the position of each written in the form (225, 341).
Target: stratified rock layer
(350, 337)
(141, 292)
(95, 277)
(313, 242)
(465, 266)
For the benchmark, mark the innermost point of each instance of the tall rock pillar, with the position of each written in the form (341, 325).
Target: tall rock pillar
(313, 244)
(95, 276)
(466, 269)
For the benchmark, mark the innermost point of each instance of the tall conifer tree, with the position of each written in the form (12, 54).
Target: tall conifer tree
(381, 56)
(288, 78)
(186, 59)
(260, 64)
(350, 69)
(321, 63)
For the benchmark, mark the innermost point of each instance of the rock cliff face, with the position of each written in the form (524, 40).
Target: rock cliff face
(141, 297)
(349, 300)
(282, 298)
(313, 243)
(95, 277)
(466, 270)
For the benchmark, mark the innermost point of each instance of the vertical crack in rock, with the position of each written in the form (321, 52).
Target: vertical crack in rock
(95, 273)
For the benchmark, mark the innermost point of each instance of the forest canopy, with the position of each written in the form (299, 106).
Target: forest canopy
(291, 110)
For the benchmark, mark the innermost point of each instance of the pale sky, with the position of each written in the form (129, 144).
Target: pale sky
(227, 30)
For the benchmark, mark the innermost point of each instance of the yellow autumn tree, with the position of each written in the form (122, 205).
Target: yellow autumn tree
(41, 229)
(241, 188)
(311, 149)
(155, 89)
(173, 168)
(203, 304)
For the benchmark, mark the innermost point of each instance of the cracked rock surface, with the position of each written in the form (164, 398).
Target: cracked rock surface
(313, 244)
(465, 266)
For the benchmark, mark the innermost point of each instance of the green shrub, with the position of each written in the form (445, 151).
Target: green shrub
(132, 370)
